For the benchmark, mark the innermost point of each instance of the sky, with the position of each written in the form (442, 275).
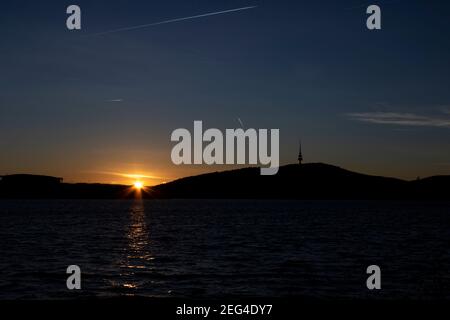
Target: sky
(91, 106)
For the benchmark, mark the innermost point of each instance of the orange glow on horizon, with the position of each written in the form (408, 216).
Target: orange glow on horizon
(138, 179)
(138, 185)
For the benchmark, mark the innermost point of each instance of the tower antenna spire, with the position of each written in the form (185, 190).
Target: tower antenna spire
(300, 155)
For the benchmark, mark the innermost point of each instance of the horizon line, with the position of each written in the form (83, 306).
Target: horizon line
(227, 170)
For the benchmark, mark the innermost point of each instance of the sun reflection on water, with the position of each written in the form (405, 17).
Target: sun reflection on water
(137, 254)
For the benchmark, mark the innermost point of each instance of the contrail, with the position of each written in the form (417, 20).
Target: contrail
(240, 121)
(172, 20)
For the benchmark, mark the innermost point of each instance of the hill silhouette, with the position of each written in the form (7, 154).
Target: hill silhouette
(308, 181)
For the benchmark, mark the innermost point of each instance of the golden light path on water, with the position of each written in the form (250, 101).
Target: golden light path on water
(137, 255)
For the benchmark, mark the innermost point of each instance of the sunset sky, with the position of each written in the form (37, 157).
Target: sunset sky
(100, 108)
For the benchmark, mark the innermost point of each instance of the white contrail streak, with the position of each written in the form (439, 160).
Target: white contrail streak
(241, 123)
(172, 20)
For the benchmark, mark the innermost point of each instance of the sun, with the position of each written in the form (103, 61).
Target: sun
(138, 185)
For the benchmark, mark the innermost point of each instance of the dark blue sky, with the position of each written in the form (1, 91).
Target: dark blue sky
(371, 101)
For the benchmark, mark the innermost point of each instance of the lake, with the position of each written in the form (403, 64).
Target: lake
(224, 248)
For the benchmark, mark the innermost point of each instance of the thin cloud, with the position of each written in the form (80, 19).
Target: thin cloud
(443, 164)
(132, 176)
(401, 119)
(173, 20)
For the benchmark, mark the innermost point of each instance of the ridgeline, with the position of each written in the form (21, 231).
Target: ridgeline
(308, 181)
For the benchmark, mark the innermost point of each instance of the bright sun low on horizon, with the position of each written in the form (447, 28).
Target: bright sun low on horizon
(138, 185)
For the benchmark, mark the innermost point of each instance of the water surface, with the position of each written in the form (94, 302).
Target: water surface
(214, 248)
